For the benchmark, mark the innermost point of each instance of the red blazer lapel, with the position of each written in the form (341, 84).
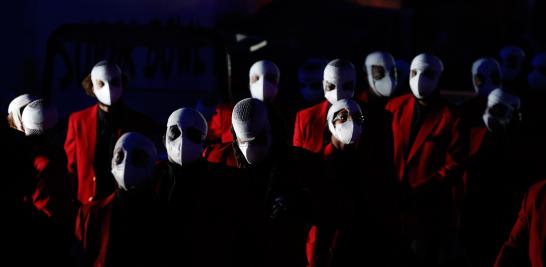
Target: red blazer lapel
(322, 116)
(403, 132)
(402, 113)
(432, 119)
(90, 132)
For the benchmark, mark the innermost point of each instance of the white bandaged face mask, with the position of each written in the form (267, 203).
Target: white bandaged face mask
(107, 83)
(251, 126)
(186, 132)
(424, 75)
(486, 76)
(339, 80)
(264, 80)
(501, 107)
(382, 73)
(345, 121)
(16, 107)
(348, 132)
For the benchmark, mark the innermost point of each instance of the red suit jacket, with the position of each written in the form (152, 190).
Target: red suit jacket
(220, 124)
(110, 230)
(527, 241)
(52, 192)
(221, 153)
(439, 148)
(431, 166)
(309, 127)
(80, 145)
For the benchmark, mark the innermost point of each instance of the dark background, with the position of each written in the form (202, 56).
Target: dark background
(176, 52)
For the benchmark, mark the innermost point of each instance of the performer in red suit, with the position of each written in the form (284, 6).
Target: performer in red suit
(429, 150)
(527, 242)
(52, 193)
(310, 129)
(264, 78)
(358, 194)
(124, 227)
(496, 178)
(275, 189)
(92, 132)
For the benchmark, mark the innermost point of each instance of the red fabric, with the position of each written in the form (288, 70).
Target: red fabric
(477, 135)
(432, 166)
(309, 127)
(51, 194)
(221, 153)
(220, 124)
(527, 241)
(40, 163)
(93, 228)
(39, 197)
(438, 150)
(80, 145)
(310, 246)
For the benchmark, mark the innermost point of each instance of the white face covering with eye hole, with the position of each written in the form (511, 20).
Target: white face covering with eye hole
(349, 131)
(500, 121)
(107, 83)
(421, 85)
(38, 117)
(339, 74)
(489, 73)
(133, 160)
(181, 149)
(386, 85)
(250, 121)
(261, 88)
(16, 108)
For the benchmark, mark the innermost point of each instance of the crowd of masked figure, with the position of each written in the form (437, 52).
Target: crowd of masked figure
(393, 175)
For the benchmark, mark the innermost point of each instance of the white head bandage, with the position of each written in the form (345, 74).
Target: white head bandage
(16, 107)
(251, 125)
(39, 117)
(349, 114)
(264, 77)
(382, 73)
(500, 109)
(426, 70)
(486, 76)
(339, 80)
(107, 82)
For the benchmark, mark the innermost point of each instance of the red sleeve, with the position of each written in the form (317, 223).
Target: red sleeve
(514, 251)
(296, 140)
(457, 152)
(51, 194)
(217, 124)
(70, 146)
